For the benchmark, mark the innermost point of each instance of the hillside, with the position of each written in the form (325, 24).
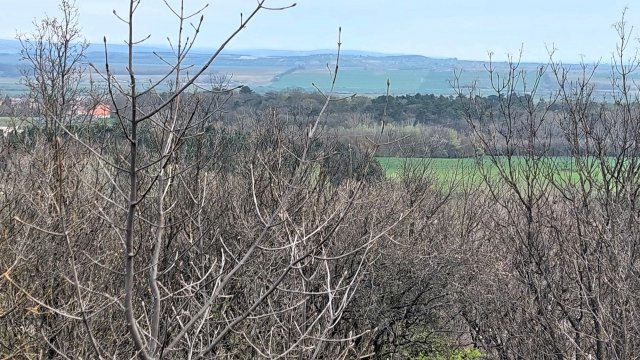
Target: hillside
(361, 72)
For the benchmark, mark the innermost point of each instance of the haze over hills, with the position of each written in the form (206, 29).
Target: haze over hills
(264, 70)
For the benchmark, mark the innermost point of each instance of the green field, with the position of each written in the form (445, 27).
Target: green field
(562, 169)
(9, 121)
(362, 81)
(437, 81)
(440, 167)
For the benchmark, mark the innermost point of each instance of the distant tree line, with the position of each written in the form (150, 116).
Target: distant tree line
(418, 109)
(420, 125)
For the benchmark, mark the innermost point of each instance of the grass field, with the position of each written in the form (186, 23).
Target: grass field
(16, 121)
(440, 167)
(9, 121)
(559, 168)
(437, 81)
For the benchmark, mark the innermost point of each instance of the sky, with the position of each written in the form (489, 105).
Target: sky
(465, 29)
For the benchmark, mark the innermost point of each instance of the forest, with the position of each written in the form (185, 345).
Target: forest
(219, 223)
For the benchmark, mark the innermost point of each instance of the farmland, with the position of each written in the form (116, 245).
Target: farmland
(263, 70)
(562, 169)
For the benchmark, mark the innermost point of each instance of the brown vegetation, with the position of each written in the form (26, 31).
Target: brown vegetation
(172, 235)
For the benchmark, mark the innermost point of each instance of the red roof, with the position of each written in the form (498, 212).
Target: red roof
(100, 111)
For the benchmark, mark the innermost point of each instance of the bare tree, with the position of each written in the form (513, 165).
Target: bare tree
(193, 240)
(560, 231)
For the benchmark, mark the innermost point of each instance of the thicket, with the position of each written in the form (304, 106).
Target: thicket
(171, 234)
(419, 125)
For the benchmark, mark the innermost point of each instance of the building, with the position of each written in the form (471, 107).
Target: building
(100, 111)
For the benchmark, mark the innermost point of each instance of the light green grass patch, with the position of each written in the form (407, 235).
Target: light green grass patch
(541, 171)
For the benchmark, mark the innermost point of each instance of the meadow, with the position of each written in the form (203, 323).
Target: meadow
(438, 80)
(562, 169)
(9, 121)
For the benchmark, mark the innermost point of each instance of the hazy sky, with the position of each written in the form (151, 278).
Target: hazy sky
(466, 29)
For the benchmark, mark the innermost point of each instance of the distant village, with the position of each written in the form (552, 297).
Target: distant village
(19, 110)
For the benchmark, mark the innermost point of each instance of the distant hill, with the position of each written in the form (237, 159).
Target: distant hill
(263, 70)
(9, 46)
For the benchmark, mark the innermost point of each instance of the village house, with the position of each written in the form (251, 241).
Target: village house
(100, 111)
